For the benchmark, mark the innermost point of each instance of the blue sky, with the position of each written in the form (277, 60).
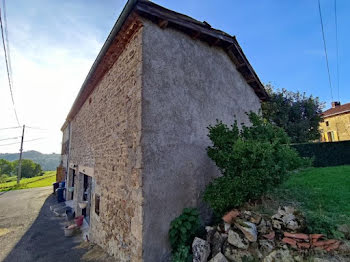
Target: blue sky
(54, 43)
(283, 39)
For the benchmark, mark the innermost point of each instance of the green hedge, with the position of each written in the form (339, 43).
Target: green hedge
(326, 154)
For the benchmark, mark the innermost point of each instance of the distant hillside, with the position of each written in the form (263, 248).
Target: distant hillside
(47, 161)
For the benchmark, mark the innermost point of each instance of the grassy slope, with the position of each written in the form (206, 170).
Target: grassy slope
(40, 181)
(323, 194)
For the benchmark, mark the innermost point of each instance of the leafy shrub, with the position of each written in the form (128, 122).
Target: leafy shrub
(4, 178)
(6, 167)
(184, 228)
(182, 254)
(252, 160)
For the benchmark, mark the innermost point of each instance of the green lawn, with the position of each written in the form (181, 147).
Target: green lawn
(39, 181)
(323, 194)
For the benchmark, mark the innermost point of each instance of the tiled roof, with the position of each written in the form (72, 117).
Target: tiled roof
(337, 110)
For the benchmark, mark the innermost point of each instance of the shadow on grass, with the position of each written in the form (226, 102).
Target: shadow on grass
(45, 241)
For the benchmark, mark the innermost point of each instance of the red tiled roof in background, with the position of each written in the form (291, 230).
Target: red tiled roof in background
(337, 110)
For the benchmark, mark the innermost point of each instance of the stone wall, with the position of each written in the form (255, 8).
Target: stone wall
(186, 86)
(106, 136)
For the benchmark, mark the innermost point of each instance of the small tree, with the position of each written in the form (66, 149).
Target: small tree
(6, 167)
(3, 178)
(29, 168)
(252, 160)
(298, 114)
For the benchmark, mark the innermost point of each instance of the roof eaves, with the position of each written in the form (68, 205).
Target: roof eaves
(336, 113)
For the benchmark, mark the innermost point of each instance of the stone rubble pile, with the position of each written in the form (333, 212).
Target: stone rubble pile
(249, 236)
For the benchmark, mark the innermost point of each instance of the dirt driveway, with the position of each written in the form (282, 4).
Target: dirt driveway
(30, 232)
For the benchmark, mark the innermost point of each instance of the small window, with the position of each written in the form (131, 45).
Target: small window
(97, 204)
(327, 123)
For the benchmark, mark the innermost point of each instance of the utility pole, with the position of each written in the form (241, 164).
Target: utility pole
(20, 158)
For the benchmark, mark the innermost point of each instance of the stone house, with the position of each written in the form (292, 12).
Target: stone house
(134, 142)
(335, 125)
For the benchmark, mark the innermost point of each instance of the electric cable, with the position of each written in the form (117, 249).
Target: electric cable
(5, 128)
(325, 49)
(7, 68)
(9, 138)
(24, 141)
(336, 41)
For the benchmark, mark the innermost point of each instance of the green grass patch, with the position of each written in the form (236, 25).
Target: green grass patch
(9, 179)
(12, 178)
(39, 181)
(323, 194)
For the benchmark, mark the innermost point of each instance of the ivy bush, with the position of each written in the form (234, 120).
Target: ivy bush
(252, 160)
(183, 230)
(182, 255)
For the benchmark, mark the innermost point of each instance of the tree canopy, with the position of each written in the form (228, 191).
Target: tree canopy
(6, 167)
(47, 161)
(29, 168)
(298, 114)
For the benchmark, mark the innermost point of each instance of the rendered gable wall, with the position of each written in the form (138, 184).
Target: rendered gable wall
(186, 86)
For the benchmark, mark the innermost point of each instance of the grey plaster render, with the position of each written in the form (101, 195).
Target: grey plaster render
(186, 86)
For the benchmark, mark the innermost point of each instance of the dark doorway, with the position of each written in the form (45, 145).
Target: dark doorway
(87, 197)
(73, 181)
(329, 134)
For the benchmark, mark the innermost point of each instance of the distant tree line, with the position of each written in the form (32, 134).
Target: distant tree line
(48, 162)
(29, 169)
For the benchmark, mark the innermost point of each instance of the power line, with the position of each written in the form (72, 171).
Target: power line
(23, 141)
(5, 128)
(7, 40)
(37, 128)
(336, 41)
(7, 68)
(9, 138)
(325, 49)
